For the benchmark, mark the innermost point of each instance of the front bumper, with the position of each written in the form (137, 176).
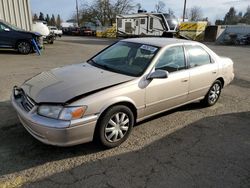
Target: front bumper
(55, 132)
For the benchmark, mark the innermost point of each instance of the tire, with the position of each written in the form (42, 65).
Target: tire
(50, 41)
(114, 126)
(213, 94)
(24, 47)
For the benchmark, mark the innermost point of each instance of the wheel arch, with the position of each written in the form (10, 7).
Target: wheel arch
(126, 103)
(20, 40)
(222, 81)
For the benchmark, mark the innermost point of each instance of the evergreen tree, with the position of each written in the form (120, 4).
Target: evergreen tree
(53, 20)
(58, 21)
(230, 17)
(219, 22)
(246, 16)
(41, 16)
(47, 19)
(35, 17)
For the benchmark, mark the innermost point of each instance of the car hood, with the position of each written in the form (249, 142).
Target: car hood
(66, 83)
(30, 32)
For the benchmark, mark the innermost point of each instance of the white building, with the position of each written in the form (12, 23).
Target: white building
(16, 12)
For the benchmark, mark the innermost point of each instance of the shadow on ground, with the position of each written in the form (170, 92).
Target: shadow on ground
(212, 152)
(9, 51)
(20, 151)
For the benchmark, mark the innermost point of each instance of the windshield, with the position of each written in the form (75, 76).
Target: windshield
(126, 58)
(12, 26)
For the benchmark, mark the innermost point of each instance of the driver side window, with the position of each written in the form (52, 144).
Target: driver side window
(2, 27)
(172, 60)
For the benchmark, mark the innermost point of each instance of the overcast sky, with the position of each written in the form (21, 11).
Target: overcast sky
(213, 9)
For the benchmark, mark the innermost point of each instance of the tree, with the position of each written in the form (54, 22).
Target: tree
(230, 17)
(219, 22)
(47, 19)
(53, 20)
(119, 7)
(41, 16)
(35, 17)
(160, 7)
(171, 12)
(138, 5)
(104, 11)
(58, 21)
(246, 16)
(195, 14)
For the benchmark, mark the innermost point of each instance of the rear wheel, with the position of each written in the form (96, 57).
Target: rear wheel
(213, 94)
(115, 126)
(24, 47)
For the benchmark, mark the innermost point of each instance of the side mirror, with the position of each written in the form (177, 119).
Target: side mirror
(6, 29)
(158, 74)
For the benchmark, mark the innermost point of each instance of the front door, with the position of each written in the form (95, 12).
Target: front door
(5, 36)
(162, 94)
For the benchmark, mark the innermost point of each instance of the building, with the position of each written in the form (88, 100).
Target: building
(16, 12)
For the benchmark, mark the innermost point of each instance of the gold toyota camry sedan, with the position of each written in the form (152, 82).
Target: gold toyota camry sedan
(123, 84)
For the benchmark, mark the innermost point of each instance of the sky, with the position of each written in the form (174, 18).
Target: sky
(213, 9)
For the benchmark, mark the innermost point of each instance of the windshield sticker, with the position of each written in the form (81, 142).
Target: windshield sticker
(148, 48)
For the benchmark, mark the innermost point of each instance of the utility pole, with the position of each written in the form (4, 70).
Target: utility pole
(77, 14)
(184, 10)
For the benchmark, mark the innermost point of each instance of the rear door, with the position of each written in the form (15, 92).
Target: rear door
(203, 71)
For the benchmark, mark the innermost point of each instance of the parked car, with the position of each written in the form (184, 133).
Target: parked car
(87, 31)
(42, 28)
(75, 31)
(54, 30)
(245, 39)
(15, 38)
(127, 82)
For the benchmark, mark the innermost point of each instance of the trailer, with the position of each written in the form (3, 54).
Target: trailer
(146, 24)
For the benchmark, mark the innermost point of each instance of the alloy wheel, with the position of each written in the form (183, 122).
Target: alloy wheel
(24, 47)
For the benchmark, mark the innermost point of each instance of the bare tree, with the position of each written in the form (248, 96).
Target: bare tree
(138, 5)
(160, 6)
(170, 12)
(105, 11)
(195, 13)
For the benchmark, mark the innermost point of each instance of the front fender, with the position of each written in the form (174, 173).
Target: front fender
(117, 100)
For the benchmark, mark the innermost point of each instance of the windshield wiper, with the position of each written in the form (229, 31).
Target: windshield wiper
(105, 67)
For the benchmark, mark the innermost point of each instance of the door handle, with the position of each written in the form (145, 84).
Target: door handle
(184, 80)
(214, 72)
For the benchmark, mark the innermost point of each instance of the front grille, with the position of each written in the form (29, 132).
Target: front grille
(23, 99)
(27, 103)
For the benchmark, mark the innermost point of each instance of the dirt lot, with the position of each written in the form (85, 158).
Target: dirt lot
(187, 147)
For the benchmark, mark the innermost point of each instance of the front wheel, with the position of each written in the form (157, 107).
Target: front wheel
(24, 47)
(213, 94)
(115, 126)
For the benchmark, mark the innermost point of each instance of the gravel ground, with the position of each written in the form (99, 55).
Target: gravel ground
(187, 147)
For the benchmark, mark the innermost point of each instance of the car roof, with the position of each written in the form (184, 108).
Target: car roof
(159, 41)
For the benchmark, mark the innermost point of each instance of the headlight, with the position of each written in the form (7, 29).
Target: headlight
(60, 112)
(69, 113)
(50, 111)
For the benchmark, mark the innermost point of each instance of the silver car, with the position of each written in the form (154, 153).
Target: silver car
(125, 83)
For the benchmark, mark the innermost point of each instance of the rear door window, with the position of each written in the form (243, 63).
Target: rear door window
(197, 56)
